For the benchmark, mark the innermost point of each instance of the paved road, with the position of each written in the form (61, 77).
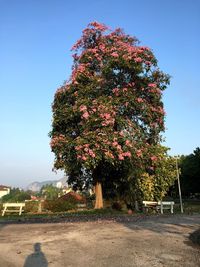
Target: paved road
(154, 242)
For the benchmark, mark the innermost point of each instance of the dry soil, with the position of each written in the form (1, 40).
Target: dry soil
(154, 242)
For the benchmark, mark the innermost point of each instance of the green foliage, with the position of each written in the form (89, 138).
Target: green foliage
(154, 184)
(190, 173)
(58, 205)
(117, 206)
(50, 192)
(16, 195)
(31, 206)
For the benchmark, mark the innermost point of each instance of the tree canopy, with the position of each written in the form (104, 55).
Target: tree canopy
(190, 173)
(110, 113)
(16, 195)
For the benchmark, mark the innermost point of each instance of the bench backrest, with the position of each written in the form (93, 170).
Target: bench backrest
(14, 205)
(149, 203)
(166, 202)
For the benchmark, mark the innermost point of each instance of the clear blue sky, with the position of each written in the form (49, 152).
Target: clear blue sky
(35, 59)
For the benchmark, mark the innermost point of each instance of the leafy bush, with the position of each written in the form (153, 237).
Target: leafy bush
(74, 198)
(116, 206)
(31, 206)
(16, 195)
(58, 205)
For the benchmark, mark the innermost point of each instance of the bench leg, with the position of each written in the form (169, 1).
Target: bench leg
(172, 211)
(4, 210)
(161, 208)
(20, 211)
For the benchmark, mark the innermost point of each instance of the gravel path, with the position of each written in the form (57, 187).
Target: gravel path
(155, 241)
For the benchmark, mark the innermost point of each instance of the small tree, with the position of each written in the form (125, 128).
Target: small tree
(110, 112)
(154, 184)
(50, 192)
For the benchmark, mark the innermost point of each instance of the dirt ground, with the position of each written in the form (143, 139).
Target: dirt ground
(153, 242)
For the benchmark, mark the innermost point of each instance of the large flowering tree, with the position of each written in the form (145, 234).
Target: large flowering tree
(110, 112)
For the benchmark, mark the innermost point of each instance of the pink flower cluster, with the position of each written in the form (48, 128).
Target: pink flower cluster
(116, 91)
(84, 151)
(140, 100)
(57, 140)
(154, 158)
(125, 154)
(85, 114)
(107, 119)
(98, 26)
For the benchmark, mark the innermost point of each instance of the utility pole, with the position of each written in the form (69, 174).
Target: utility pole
(179, 186)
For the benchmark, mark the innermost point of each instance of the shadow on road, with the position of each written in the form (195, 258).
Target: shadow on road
(37, 258)
(164, 225)
(195, 237)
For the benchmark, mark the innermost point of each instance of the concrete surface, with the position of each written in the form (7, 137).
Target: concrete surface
(154, 242)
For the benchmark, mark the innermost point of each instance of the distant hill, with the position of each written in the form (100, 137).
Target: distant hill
(36, 186)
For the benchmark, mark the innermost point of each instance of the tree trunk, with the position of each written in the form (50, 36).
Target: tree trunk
(99, 196)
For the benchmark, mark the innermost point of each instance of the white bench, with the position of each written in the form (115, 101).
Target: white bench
(13, 207)
(160, 205)
(149, 205)
(166, 205)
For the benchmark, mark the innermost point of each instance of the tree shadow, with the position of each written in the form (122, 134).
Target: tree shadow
(195, 237)
(1, 226)
(37, 258)
(164, 224)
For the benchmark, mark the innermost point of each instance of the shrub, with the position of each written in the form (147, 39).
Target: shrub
(74, 198)
(31, 206)
(116, 206)
(58, 205)
(16, 195)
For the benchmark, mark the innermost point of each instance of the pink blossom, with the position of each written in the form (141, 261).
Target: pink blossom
(115, 91)
(119, 147)
(126, 104)
(98, 26)
(78, 148)
(127, 142)
(140, 100)
(139, 153)
(82, 108)
(121, 157)
(86, 145)
(127, 154)
(138, 59)
(152, 85)
(115, 143)
(84, 158)
(154, 158)
(91, 153)
(107, 116)
(114, 54)
(85, 115)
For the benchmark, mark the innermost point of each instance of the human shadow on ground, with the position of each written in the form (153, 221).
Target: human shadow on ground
(37, 258)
